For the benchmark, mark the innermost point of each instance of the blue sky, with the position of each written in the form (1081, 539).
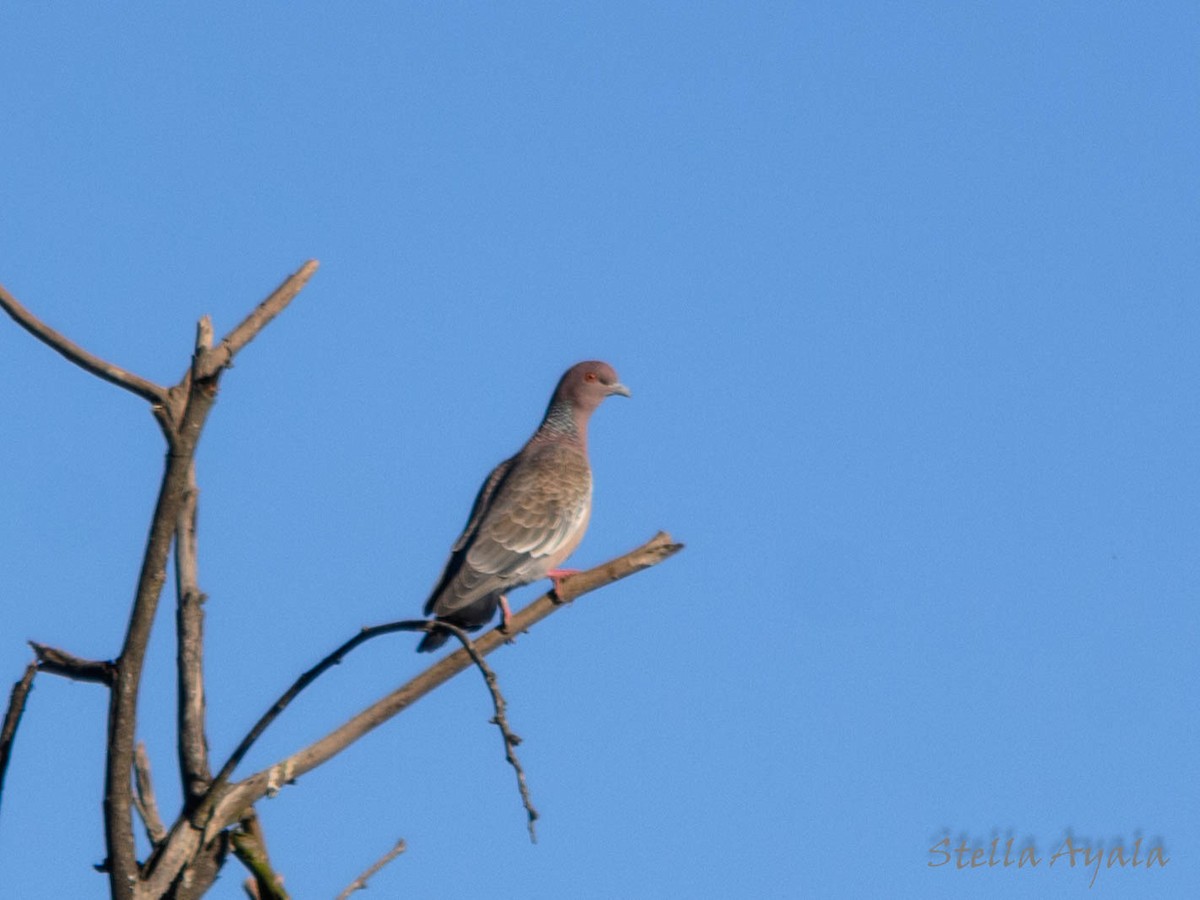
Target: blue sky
(907, 298)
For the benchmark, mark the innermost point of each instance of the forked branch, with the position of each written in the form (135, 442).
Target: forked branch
(222, 355)
(182, 413)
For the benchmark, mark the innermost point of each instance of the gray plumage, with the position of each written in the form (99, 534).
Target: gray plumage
(531, 512)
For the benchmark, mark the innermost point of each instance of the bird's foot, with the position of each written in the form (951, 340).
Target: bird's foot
(556, 576)
(505, 615)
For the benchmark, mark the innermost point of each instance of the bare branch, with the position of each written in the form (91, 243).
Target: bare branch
(76, 354)
(253, 788)
(181, 412)
(500, 720)
(222, 356)
(186, 839)
(189, 619)
(360, 883)
(182, 416)
(250, 846)
(144, 799)
(68, 665)
(12, 718)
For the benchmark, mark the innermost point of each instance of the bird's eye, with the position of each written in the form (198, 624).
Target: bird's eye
(590, 376)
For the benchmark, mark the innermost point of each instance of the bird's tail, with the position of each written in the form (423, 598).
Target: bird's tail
(469, 618)
(432, 641)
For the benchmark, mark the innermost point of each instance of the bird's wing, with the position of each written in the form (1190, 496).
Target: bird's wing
(482, 499)
(535, 510)
(458, 552)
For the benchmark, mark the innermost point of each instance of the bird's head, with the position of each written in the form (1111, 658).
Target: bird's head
(586, 384)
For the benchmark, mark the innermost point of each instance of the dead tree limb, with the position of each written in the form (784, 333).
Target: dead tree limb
(12, 718)
(182, 419)
(181, 412)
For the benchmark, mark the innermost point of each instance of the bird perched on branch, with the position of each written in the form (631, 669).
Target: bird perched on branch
(531, 512)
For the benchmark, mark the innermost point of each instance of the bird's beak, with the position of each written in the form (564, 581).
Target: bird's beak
(619, 388)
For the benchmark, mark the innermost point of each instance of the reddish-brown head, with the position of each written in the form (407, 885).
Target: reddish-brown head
(585, 385)
(582, 388)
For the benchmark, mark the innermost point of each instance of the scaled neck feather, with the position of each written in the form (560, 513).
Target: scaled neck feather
(563, 420)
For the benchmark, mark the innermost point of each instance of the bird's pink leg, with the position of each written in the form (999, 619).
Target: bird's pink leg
(556, 576)
(505, 614)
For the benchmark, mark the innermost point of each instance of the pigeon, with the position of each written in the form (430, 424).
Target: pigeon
(531, 512)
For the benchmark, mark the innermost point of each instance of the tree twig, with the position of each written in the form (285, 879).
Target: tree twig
(68, 665)
(360, 883)
(144, 799)
(12, 718)
(76, 354)
(500, 720)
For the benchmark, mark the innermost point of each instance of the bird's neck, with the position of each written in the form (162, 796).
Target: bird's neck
(563, 420)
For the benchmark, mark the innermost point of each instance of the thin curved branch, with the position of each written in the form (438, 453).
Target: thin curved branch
(12, 718)
(88, 361)
(299, 685)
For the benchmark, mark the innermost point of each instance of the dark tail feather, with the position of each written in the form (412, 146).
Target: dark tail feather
(469, 618)
(432, 641)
